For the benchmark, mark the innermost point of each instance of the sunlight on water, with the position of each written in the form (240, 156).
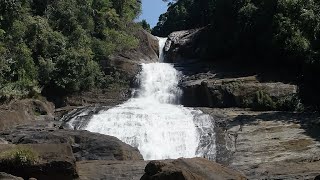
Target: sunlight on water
(153, 122)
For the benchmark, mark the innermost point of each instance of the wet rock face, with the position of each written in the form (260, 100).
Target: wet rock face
(85, 145)
(189, 169)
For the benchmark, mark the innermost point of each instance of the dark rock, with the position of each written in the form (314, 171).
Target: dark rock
(188, 44)
(189, 169)
(111, 170)
(5, 176)
(206, 90)
(52, 161)
(85, 145)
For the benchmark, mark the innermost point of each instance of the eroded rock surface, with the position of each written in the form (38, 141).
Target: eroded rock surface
(268, 145)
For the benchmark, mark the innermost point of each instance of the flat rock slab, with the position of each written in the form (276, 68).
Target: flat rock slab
(268, 145)
(111, 170)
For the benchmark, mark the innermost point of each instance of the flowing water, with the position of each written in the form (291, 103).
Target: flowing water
(162, 43)
(153, 121)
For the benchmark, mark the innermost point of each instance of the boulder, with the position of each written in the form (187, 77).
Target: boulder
(85, 145)
(187, 44)
(23, 111)
(189, 169)
(5, 176)
(40, 161)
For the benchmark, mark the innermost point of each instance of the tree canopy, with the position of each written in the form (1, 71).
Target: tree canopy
(58, 44)
(278, 32)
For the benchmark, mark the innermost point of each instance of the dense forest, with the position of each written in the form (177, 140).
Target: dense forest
(277, 33)
(58, 44)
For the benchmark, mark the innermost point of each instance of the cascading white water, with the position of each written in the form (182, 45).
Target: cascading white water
(153, 122)
(162, 43)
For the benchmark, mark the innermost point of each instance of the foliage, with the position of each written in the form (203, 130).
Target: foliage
(145, 25)
(290, 103)
(263, 101)
(282, 33)
(18, 157)
(59, 44)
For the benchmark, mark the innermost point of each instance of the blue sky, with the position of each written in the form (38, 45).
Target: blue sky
(151, 10)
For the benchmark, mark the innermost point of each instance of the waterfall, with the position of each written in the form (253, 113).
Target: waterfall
(153, 121)
(162, 43)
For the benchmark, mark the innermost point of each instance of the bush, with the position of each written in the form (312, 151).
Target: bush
(18, 157)
(290, 103)
(18, 90)
(263, 101)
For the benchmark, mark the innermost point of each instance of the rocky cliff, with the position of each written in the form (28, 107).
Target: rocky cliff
(208, 82)
(258, 129)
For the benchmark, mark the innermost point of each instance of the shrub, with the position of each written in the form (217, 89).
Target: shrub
(263, 101)
(290, 103)
(20, 89)
(18, 157)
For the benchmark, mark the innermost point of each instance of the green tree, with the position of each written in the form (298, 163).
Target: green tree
(145, 25)
(58, 44)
